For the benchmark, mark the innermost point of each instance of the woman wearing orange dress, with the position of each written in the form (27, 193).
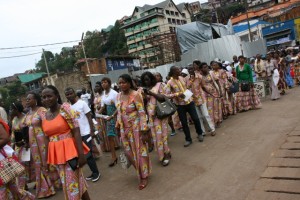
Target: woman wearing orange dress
(65, 148)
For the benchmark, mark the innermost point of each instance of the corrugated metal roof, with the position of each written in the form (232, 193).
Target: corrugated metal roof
(244, 26)
(27, 78)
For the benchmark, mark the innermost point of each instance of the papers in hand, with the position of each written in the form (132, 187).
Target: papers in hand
(25, 157)
(102, 116)
(188, 94)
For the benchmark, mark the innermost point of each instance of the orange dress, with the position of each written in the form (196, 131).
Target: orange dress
(62, 146)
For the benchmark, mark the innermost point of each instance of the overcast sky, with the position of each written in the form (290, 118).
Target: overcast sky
(34, 22)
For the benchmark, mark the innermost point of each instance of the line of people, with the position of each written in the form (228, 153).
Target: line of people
(61, 136)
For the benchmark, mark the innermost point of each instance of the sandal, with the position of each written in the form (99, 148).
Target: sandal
(143, 183)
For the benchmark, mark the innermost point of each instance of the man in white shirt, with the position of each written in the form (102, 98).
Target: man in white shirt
(85, 96)
(86, 128)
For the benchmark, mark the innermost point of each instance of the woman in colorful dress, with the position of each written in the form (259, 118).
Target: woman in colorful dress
(246, 100)
(287, 71)
(108, 104)
(159, 127)
(213, 96)
(221, 75)
(132, 123)
(159, 79)
(10, 190)
(100, 127)
(20, 143)
(65, 145)
(270, 67)
(37, 143)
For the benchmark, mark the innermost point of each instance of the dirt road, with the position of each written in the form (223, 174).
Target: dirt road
(224, 167)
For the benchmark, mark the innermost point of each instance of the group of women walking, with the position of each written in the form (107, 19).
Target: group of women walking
(126, 119)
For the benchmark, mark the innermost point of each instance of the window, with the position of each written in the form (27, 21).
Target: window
(173, 21)
(183, 15)
(167, 12)
(172, 12)
(169, 21)
(177, 14)
(178, 22)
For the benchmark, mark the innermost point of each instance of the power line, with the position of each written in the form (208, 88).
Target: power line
(40, 45)
(20, 55)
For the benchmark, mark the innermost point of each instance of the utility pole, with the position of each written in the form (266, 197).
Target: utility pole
(86, 62)
(249, 28)
(47, 67)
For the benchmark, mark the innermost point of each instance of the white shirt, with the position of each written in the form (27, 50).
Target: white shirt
(82, 108)
(110, 98)
(85, 97)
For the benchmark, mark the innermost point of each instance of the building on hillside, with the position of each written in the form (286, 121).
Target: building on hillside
(195, 7)
(280, 34)
(256, 26)
(8, 80)
(32, 81)
(149, 22)
(287, 10)
(206, 6)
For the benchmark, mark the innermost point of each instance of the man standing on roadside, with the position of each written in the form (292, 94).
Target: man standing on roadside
(86, 128)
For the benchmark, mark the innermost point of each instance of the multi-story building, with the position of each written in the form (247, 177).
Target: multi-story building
(195, 7)
(149, 22)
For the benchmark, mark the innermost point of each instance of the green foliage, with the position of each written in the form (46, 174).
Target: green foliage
(97, 44)
(12, 93)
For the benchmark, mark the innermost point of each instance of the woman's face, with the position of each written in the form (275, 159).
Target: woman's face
(242, 60)
(196, 67)
(97, 88)
(215, 66)
(147, 81)
(13, 111)
(124, 85)
(49, 98)
(30, 101)
(204, 69)
(158, 77)
(105, 85)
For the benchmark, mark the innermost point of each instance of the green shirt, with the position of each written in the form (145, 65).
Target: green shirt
(245, 74)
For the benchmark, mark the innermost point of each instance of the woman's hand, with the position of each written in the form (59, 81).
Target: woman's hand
(81, 161)
(109, 118)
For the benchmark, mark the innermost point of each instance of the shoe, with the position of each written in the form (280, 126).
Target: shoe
(187, 143)
(113, 163)
(204, 134)
(213, 133)
(96, 177)
(89, 177)
(173, 133)
(200, 138)
(143, 184)
(165, 162)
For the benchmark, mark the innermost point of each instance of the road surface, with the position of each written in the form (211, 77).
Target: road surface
(224, 167)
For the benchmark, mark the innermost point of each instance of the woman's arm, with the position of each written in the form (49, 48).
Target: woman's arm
(4, 136)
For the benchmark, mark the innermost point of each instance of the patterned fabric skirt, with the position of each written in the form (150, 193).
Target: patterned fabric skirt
(247, 100)
(104, 137)
(214, 107)
(44, 186)
(29, 175)
(159, 131)
(176, 121)
(73, 182)
(12, 191)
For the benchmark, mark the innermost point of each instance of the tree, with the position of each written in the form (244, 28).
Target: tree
(12, 93)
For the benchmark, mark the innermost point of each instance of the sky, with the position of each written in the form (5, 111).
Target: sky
(36, 22)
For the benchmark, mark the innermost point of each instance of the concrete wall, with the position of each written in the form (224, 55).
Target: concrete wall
(76, 80)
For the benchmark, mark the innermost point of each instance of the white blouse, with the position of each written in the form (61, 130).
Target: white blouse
(108, 99)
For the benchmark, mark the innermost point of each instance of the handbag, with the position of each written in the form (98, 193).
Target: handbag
(165, 109)
(245, 86)
(234, 88)
(10, 168)
(73, 163)
(125, 163)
